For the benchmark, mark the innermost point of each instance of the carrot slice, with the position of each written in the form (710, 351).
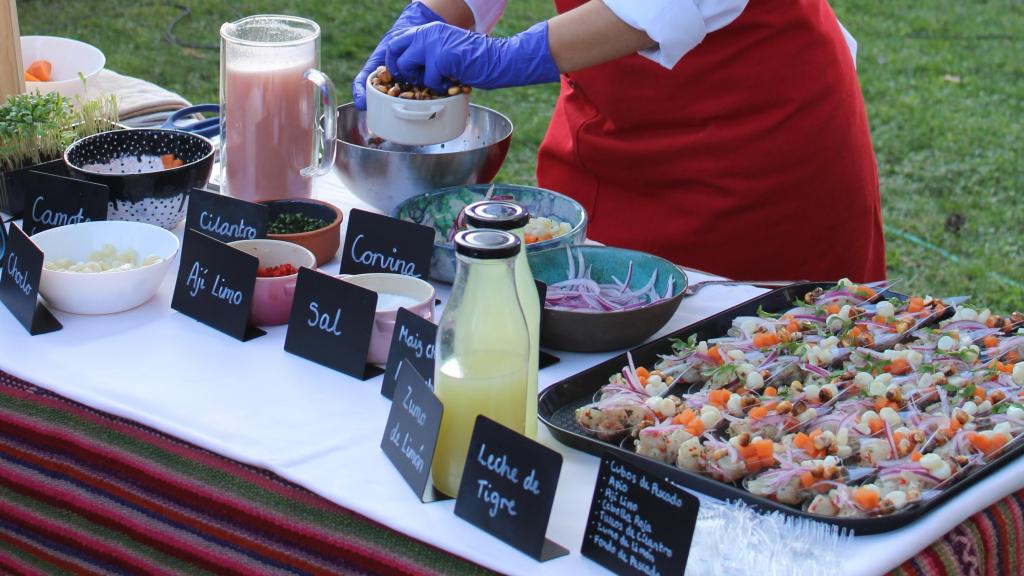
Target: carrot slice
(866, 498)
(684, 417)
(758, 412)
(695, 427)
(765, 448)
(807, 479)
(990, 341)
(715, 354)
(31, 78)
(915, 304)
(898, 367)
(41, 69)
(771, 391)
(876, 425)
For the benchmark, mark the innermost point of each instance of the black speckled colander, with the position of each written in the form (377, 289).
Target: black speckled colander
(130, 163)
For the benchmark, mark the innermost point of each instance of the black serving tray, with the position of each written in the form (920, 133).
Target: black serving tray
(558, 403)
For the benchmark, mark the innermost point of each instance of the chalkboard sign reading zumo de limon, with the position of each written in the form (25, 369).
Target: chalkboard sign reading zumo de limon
(331, 323)
(19, 283)
(52, 201)
(411, 432)
(375, 243)
(507, 488)
(215, 285)
(413, 343)
(639, 524)
(225, 218)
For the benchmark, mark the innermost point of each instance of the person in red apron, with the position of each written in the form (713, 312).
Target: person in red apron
(736, 140)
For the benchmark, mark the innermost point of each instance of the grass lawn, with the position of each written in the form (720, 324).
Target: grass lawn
(943, 81)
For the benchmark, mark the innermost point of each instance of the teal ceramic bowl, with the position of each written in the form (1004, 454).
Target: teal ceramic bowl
(606, 331)
(440, 208)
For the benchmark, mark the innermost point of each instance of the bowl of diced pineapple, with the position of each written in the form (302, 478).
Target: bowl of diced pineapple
(555, 219)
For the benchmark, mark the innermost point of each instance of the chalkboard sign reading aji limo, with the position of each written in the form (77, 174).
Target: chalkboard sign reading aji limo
(19, 283)
(375, 243)
(331, 323)
(225, 218)
(639, 524)
(52, 201)
(508, 486)
(412, 343)
(215, 285)
(411, 432)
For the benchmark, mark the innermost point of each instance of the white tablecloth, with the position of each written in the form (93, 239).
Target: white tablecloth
(257, 404)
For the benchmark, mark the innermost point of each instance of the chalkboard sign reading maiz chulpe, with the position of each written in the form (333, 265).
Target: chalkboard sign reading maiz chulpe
(508, 486)
(639, 524)
(411, 342)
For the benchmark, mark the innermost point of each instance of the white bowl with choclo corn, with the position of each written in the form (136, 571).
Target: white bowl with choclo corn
(414, 116)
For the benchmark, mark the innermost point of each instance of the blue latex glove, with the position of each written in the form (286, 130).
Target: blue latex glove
(415, 14)
(435, 54)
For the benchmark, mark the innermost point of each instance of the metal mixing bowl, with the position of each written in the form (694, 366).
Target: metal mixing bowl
(384, 174)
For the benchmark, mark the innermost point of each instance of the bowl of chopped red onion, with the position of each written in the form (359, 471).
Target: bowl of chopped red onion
(601, 298)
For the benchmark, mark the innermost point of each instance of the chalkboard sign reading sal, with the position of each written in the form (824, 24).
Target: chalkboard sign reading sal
(640, 524)
(508, 486)
(19, 283)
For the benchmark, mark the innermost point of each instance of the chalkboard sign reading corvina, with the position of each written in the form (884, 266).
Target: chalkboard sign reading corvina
(215, 285)
(330, 323)
(19, 283)
(508, 486)
(52, 201)
(639, 523)
(225, 218)
(375, 243)
(411, 432)
(412, 343)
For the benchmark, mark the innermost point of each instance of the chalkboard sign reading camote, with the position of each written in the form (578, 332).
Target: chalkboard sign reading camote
(375, 243)
(331, 322)
(508, 486)
(411, 432)
(215, 285)
(52, 201)
(412, 343)
(225, 218)
(639, 523)
(19, 283)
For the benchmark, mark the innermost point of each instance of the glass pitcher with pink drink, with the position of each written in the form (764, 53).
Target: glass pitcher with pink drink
(278, 119)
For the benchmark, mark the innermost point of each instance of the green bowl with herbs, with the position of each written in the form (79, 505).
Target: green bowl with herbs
(312, 224)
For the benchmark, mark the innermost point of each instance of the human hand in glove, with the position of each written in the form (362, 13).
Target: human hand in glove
(415, 14)
(435, 54)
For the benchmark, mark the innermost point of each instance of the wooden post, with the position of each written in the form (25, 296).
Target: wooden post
(12, 79)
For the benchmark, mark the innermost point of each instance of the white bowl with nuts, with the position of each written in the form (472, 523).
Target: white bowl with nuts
(412, 115)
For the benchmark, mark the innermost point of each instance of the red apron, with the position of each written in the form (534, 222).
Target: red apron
(751, 158)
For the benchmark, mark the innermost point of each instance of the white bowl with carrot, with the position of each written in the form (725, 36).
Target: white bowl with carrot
(55, 64)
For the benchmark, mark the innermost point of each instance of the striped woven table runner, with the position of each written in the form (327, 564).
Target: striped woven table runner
(85, 492)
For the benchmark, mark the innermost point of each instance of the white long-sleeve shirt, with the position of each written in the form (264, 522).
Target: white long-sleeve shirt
(677, 26)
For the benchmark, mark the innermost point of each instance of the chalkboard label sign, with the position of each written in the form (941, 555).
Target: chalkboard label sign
(412, 343)
(225, 218)
(3, 239)
(411, 432)
(546, 358)
(19, 283)
(215, 285)
(375, 243)
(508, 487)
(639, 523)
(52, 201)
(331, 323)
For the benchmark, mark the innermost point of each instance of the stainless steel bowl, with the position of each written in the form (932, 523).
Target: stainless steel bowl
(385, 174)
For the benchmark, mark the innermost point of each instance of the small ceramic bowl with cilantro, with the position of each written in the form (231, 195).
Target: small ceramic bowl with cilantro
(313, 224)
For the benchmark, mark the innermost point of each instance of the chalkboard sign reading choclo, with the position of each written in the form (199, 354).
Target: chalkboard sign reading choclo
(19, 283)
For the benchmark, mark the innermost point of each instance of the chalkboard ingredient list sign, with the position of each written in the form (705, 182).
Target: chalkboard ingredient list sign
(508, 487)
(639, 523)
(413, 343)
(411, 432)
(375, 243)
(225, 218)
(215, 285)
(19, 283)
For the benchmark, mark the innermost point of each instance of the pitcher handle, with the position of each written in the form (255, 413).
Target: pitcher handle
(328, 134)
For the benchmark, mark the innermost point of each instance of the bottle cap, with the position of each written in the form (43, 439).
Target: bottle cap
(497, 215)
(486, 244)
